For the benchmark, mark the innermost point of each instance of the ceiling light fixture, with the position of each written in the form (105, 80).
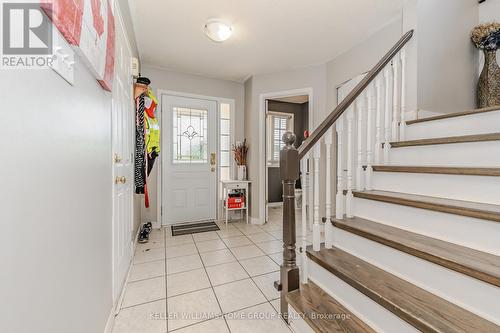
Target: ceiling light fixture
(217, 30)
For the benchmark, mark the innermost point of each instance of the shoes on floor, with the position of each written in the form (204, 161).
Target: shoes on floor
(144, 233)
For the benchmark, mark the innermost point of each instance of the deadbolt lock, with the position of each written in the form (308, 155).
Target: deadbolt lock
(212, 159)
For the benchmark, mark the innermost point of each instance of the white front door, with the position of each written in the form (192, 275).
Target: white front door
(122, 137)
(189, 131)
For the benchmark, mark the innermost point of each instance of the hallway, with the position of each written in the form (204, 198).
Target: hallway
(206, 282)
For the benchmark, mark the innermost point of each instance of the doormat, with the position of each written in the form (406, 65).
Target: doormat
(194, 228)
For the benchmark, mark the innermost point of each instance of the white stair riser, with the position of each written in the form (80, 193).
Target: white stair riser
(474, 233)
(484, 154)
(373, 314)
(469, 293)
(297, 324)
(480, 123)
(469, 188)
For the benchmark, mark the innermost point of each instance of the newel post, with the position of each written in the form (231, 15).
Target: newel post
(289, 173)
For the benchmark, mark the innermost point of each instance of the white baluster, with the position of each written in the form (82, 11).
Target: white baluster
(339, 200)
(369, 147)
(328, 179)
(387, 115)
(350, 184)
(378, 125)
(310, 182)
(316, 225)
(402, 124)
(360, 105)
(395, 98)
(304, 217)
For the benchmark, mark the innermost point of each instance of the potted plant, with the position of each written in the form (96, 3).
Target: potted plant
(240, 151)
(486, 37)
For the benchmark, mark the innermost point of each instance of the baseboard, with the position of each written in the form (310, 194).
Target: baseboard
(275, 204)
(256, 220)
(110, 323)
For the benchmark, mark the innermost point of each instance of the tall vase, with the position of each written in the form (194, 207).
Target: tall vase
(488, 87)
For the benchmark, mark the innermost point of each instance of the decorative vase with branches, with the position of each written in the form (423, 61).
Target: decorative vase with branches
(486, 37)
(240, 152)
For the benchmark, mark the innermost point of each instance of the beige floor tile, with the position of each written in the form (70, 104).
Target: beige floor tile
(277, 257)
(261, 237)
(144, 291)
(278, 234)
(217, 257)
(238, 295)
(149, 255)
(210, 245)
(182, 264)
(271, 247)
(237, 241)
(151, 244)
(147, 270)
(233, 232)
(217, 325)
(245, 252)
(272, 226)
(186, 282)
(225, 273)
(187, 309)
(204, 236)
(251, 229)
(258, 319)
(181, 250)
(177, 240)
(266, 285)
(259, 265)
(145, 318)
(276, 305)
(157, 234)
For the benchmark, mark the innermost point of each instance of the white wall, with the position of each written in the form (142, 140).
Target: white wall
(309, 77)
(55, 202)
(191, 84)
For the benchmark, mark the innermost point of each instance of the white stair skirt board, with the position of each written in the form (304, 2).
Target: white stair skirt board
(373, 314)
(471, 294)
(474, 233)
(454, 154)
(479, 123)
(297, 324)
(483, 189)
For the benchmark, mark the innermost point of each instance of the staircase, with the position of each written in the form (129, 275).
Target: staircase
(414, 242)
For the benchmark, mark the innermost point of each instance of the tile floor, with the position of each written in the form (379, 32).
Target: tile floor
(208, 282)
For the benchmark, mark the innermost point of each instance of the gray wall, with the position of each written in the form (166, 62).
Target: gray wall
(300, 123)
(191, 84)
(56, 202)
(309, 77)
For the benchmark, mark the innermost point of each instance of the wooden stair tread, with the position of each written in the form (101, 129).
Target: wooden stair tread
(480, 265)
(318, 308)
(459, 207)
(453, 115)
(420, 308)
(470, 171)
(447, 140)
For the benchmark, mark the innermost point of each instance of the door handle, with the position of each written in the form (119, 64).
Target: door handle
(213, 160)
(121, 179)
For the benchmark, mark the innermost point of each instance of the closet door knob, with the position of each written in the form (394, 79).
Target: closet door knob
(123, 180)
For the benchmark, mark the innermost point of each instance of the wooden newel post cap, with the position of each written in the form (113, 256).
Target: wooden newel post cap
(289, 158)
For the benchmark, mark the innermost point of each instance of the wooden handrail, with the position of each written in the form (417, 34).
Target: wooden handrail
(342, 107)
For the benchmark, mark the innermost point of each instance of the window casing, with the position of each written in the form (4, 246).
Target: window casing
(277, 124)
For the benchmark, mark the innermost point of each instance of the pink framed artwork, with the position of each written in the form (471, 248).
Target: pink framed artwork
(89, 26)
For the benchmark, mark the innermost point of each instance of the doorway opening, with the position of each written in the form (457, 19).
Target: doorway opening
(289, 113)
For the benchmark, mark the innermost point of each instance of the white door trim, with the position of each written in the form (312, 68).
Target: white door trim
(262, 140)
(219, 100)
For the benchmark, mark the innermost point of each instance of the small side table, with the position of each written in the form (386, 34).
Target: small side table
(228, 185)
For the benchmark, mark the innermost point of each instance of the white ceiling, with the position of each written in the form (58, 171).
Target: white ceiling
(268, 35)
